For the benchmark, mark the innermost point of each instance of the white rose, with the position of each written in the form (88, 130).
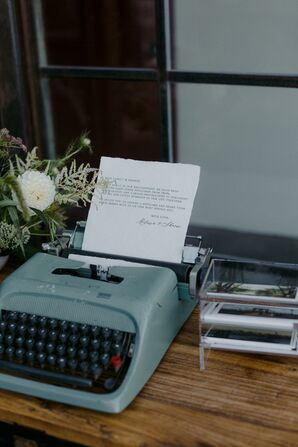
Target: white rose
(38, 189)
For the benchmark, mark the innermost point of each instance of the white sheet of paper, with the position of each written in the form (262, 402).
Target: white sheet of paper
(145, 211)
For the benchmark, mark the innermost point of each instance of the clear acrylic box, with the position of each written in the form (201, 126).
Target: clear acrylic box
(249, 307)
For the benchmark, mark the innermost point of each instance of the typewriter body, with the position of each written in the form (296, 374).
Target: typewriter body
(78, 334)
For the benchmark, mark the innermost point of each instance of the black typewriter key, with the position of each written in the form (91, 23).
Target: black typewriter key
(50, 347)
(63, 324)
(104, 359)
(40, 345)
(51, 360)
(41, 357)
(23, 317)
(30, 356)
(10, 351)
(94, 356)
(12, 327)
(22, 329)
(73, 339)
(30, 343)
(74, 327)
(117, 336)
(71, 352)
(84, 367)
(61, 362)
(42, 321)
(20, 354)
(13, 316)
(60, 349)
(109, 383)
(106, 332)
(95, 343)
(96, 370)
(32, 330)
(106, 346)
(20, 341)
(72, 364)
(84, 329)
(53, 323)
(83, 354)
(9, 339)
(2, 349)
(116, 348)
(95, 331)
(33, 319)
(3, 326)
(53, 335)
(63, 336)
(42, 333)
(1, 338)
(84, 341)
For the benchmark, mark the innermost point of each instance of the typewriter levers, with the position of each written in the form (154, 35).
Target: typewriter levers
(82, 335)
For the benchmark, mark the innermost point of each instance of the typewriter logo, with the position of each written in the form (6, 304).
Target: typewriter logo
(104, 296)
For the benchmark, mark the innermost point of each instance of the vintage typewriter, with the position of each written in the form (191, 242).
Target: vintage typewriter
(87, 336)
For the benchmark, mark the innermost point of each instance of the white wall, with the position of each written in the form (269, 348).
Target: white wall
(245, 138)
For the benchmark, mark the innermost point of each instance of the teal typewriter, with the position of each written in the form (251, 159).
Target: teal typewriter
(83, 335)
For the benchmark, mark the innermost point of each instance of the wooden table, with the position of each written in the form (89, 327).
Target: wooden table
(240, 400)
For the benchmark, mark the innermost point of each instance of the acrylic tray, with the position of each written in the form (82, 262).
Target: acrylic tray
(250, 307)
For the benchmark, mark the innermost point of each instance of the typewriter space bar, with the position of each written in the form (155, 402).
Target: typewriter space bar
(60, 378)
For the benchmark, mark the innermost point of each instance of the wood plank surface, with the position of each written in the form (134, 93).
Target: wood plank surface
(239, 400)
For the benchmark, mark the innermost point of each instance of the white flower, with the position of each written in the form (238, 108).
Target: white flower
(38, 189)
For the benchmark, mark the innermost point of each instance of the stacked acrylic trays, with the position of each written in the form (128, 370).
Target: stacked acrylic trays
(249, 307)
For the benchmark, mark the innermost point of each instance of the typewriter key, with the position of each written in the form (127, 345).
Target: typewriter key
(53, 335)
(84, 366)
(84, 341)
(83, 354)
(10, 352)
(2, 349)
(74, 327)
(33, 319)
(95, 331)
(50, 347)
(13, 316)
(63, 337)
(95, 343)
(42, 333)
(105, 359)
(9, 339)
(20, 353)
(23, 317)
(84, 329)
(109, 383)
(96, 370)
(73, 339)
(60, 349)
(94, 356)
(3, 326)
(42, 321)
(41, 357)
(40, 345)
(22, 329)
(30, 356)
(53, 323)
(32, 330)
(72, 364)
(51, 359)
(106, 346)
(20, 341)
(63, 325)
(106, 332)
(12, 327)
(117, 336)
(61, 362)
(71, 351)
(30, 343)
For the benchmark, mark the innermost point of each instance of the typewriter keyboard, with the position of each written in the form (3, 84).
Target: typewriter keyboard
(63, 352)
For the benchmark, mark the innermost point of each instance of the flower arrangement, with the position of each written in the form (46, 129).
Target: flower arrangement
(35, 193)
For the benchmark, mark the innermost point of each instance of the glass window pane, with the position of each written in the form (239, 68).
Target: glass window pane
(122, 116)
(246, 141)
(99, 32)
(255, 36)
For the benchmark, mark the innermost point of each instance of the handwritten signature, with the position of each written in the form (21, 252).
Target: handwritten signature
(148, 222)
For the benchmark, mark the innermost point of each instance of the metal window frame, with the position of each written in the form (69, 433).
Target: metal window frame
(163, 75)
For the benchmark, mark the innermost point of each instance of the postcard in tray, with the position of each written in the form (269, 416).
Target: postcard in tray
(250, 281)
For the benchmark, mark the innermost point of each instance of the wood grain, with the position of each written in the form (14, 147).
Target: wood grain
(239, 400)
